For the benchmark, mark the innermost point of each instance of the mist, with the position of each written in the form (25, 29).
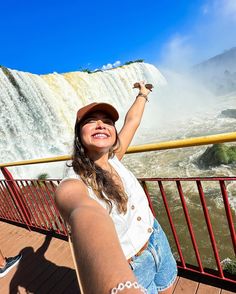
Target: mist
(188, 96)
(211, 32)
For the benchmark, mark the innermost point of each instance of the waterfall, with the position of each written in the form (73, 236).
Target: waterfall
(38, 111)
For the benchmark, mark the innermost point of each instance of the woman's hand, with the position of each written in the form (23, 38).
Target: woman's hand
(144, 89)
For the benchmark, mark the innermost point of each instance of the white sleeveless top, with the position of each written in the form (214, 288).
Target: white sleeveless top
(135, 227)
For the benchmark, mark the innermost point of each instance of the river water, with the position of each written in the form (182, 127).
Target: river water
(182, 163)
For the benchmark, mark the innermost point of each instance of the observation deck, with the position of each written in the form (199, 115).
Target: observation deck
(47, 266)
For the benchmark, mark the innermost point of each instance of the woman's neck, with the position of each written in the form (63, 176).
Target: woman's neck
(101, 160)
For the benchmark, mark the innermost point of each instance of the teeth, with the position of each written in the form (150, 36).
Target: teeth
(100, 136)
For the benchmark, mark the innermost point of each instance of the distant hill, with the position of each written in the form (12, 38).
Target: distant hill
(218, 73)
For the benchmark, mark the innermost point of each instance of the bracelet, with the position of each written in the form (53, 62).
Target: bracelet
(128, 285)
(142, 95)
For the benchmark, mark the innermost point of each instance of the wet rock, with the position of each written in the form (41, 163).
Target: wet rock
(216, 155)
(228, 113)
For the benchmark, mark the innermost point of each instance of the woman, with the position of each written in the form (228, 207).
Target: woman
(111, 222)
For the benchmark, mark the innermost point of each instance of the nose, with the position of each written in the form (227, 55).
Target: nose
(100, 124)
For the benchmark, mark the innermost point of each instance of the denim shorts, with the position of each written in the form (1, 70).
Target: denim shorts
(155, 269)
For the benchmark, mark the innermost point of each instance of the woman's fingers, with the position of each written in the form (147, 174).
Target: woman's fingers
(149, 86)
(142, 83)
(139, 84)
(136, 85)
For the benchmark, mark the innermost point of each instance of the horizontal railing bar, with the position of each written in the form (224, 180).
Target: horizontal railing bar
(145, 179)
(207, 274)
(183, 143)
(37, 161)
(189, 179)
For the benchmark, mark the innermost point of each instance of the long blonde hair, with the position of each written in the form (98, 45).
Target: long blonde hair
(95, 177)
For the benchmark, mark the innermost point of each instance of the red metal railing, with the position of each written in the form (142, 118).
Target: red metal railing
(31, 202)
(157, 191)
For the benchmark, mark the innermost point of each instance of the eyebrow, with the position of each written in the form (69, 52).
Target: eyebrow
(95, 117)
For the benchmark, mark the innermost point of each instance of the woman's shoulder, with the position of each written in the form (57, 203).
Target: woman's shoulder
(70, 187)
(69, 194)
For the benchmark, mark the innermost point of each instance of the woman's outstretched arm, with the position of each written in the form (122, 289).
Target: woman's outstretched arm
(99, 257)
(132, 119)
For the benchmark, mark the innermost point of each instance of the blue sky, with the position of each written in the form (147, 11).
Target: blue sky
(61, 36)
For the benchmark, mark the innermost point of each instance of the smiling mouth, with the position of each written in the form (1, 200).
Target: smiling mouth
(99, 135)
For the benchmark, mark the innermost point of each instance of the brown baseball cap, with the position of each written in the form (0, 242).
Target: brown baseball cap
(95, 106)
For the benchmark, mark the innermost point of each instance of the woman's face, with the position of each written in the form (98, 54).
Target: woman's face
(98, 132)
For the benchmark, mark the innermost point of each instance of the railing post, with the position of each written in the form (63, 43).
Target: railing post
(148, 197)
(228, 213)
(189, 224)
(209, 227)
(163, 194)
(16, 196)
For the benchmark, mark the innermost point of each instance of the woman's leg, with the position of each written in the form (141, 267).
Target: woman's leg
(165, 263)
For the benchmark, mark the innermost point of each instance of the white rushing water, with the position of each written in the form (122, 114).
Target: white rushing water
(38, 112)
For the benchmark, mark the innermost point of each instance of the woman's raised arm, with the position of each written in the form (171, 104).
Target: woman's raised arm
(133, 118)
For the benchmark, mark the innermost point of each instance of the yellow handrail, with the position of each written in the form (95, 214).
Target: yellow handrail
(183, 143)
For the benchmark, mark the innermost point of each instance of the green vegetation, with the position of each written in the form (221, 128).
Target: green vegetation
(228, 113)
(229, 266)
(130, 62)
(42, 176)
(216, 155)
(41, 180)
(86, 70)
(89, 71)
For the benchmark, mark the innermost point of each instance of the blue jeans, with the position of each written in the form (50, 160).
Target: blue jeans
(155, 268)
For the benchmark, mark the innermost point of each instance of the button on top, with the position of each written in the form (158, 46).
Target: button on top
(139, 218)
(149, 230)
(132, 207)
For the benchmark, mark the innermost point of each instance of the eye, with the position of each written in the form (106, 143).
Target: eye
(89, 121)
(108, 122)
